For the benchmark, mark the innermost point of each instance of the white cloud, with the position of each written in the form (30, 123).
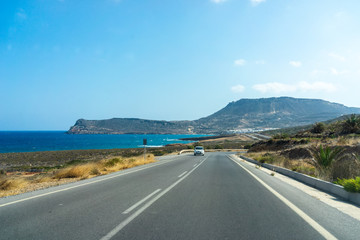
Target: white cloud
(238, 88)
(257, 2)
(276, 87)
(337, 57)
(317, 86)
(218, 1)
(239, 62)
(295, 63)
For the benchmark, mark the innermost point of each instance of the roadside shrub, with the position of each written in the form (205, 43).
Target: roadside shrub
(247, 146)
(348, 166)
(310, 171)
(218, 147)
(318, 128)
(351, 124)
(80, 171)
(350, 185)
(158, 152)
(10, 184)
(281, 136)
(112, 162)
(95, 171)
(323, 159)
(266, 158)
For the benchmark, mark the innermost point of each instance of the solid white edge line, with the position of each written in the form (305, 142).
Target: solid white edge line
(143, 208)
(141, 201)
(195, 165)
(84, 184)
(303, 215)
(182, 174)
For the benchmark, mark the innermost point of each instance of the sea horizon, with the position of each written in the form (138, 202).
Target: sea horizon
(59, 140)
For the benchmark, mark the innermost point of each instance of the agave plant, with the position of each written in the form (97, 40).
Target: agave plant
(351, 124)
(323, 159)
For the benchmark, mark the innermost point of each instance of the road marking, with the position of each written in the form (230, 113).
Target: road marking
(84, 184)
(195, 165)
(297, 210)
(143, 208)
(182, 174)
(141, 201)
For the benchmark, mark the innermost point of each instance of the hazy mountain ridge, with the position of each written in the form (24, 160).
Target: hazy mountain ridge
(244, 113)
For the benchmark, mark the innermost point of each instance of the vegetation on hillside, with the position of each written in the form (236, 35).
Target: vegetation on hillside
(329, 151)
(16, 183)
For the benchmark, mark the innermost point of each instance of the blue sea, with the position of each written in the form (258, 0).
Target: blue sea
(32, 141)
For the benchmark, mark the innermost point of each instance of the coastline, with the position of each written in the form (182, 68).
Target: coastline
(46, 160)
(39, 141)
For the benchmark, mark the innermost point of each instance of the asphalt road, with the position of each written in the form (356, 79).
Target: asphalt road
(179, 197)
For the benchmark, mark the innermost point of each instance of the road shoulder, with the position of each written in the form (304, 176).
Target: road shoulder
(335, 202)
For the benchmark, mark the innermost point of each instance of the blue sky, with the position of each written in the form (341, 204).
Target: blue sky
(61, 60)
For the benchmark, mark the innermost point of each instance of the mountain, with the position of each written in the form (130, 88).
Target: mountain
(244, 113)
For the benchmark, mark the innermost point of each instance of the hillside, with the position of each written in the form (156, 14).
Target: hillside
(245, 113)
(129, 126)
(275, 113)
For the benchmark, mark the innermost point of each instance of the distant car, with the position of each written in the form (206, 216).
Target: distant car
(199, 150)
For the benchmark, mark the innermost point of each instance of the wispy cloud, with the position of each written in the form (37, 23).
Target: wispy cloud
(318, 72)
(21, 14)
(295, 63)
(218, 1)
(336, 72)
(276, 87)
(337, 57)
(239, 62)
(260, 62)
(238, 88)
(257, 2)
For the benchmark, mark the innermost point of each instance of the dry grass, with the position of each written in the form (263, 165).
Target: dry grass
(82, 171)
(299, 165)
(7, 184)
(16, 184)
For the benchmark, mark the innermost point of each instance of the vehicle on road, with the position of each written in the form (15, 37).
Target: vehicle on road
(199, 150)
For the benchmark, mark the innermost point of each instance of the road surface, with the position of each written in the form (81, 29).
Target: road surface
(179, 197)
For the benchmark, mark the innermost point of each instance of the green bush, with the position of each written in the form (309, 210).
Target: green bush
(318, 128)
(266, 158)
(158, 152)
(350, 185)
(112, 162)
(247, 146)
(323, 159)
(351, 124)
(281, 136)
